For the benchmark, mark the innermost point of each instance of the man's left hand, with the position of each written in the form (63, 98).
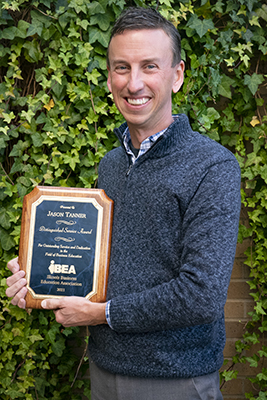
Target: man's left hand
(76, 311)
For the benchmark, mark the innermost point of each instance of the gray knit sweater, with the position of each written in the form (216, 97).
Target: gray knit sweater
(176, 213)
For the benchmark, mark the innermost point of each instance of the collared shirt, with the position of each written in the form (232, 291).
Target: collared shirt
(145, 145)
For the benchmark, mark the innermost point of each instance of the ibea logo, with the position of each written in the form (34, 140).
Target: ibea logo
(61, 268)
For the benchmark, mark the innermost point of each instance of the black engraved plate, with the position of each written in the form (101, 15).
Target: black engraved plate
(65, 241)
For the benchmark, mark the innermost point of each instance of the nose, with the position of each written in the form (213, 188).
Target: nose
(135, 82)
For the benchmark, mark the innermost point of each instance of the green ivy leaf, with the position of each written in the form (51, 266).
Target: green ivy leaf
(33, 52)
(35, 337)
(6, 240)
(224, 88)
(262, 12)
(9, 33)
(259, 310)
(22, 29)
(200, 26)
(95, 7)
(36, 27)
(58, 347)
(252, 361)
(96, 34)
(253, 82)
(4, 219)
(102, 20)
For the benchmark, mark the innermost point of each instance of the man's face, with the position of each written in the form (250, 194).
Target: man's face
(141, 78)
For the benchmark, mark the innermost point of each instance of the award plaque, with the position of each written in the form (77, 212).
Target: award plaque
(65, 243)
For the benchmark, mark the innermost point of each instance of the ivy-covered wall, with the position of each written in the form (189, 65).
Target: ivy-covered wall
(56, 123)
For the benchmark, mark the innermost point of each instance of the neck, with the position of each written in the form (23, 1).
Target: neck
(138, 135)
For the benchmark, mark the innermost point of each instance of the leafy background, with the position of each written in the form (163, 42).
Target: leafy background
(56, 123)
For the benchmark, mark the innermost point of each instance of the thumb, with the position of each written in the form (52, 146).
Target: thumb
(51, 304)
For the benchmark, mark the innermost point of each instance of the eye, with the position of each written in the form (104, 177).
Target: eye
(150, 67)
(121, 69)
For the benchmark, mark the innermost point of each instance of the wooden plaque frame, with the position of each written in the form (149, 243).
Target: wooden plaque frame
(48, 253)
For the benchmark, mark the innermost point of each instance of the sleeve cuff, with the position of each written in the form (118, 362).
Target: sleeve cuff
(108, 314)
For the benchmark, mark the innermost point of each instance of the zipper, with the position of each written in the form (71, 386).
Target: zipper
(128, 170)
(143, 155)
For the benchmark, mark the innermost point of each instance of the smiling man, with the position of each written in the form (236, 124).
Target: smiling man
(176, 199)
(142, 78)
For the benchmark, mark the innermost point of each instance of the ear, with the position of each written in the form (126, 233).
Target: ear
(109, 80)
(179, 77)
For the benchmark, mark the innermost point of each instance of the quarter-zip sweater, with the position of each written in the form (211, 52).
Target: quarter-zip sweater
(176, 213)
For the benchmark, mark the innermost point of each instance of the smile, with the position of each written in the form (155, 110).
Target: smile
(138, 102)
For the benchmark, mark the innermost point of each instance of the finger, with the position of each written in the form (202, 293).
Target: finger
(51, 304)
(11, 280)
(13, 265)
(15, 287)
(19, 298)
(22, 303)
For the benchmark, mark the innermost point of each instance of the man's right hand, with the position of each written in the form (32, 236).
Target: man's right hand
(16, 283)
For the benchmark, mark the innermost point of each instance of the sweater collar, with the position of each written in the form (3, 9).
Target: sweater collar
(178, 132)
(145, 145)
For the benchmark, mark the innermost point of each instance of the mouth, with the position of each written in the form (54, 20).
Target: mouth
(137, 102)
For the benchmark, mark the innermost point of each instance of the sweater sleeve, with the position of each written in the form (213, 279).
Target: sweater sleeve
(197, 294)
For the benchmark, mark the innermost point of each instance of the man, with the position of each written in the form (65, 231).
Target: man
(176, 209)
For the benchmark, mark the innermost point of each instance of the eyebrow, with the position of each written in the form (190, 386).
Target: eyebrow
(145, 61)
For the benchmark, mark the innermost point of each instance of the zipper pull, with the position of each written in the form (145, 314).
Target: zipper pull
(129, 169)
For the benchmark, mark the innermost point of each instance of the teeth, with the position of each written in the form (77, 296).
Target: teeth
(138, 101)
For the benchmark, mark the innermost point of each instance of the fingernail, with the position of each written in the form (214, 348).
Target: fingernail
(21, 304)
(43, 304)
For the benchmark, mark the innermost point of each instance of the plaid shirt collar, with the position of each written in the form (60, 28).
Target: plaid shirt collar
(145, 145)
